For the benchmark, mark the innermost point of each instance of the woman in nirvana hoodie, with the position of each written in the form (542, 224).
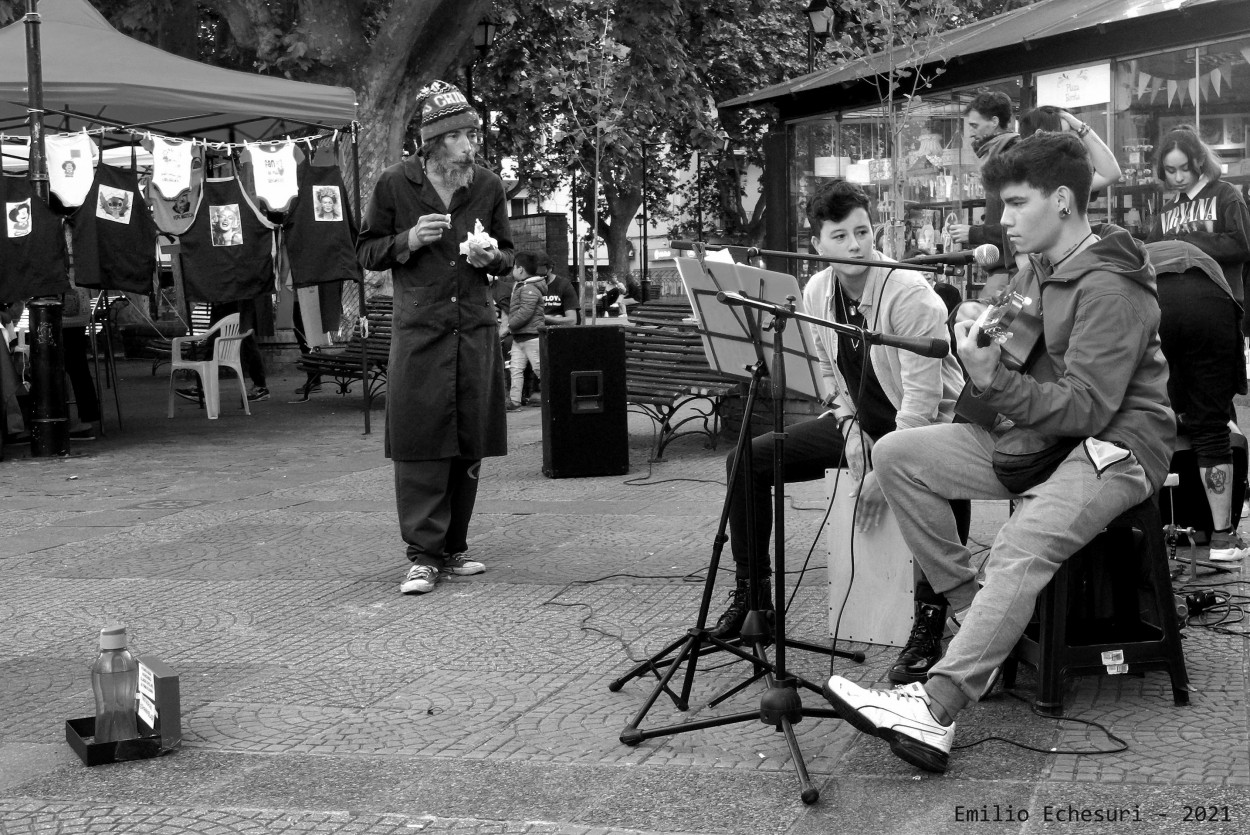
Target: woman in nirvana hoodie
(1207, 212)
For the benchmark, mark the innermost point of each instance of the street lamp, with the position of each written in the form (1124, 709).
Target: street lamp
(483, 39)
(820, 19)
(484, 36)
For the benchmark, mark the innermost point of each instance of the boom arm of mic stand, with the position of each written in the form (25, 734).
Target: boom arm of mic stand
(855, 262)
(753, 252)
(923, 345)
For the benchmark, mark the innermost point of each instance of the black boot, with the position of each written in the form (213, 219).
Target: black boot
(730, 623)
(924, 645)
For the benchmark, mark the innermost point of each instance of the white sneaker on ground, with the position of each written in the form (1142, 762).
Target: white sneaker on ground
(901, 717)
(462, 566)
(419, 580)
(1228, 547)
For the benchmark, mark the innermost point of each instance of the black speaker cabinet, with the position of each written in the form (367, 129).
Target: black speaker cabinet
(585, 429)
(1189, 499)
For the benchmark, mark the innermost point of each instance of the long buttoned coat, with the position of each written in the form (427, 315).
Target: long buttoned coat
(444, 382)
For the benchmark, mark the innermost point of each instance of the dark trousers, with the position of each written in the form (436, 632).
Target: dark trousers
(435, 500)
(1200, 340)
(811, 447)
(249, 350)
(297, 318)
(76, 368)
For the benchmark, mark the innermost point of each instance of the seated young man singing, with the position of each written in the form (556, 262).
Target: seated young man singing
(1097, 388)
(873, 391)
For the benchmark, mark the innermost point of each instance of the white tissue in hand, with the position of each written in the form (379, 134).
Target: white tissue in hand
(478, 236)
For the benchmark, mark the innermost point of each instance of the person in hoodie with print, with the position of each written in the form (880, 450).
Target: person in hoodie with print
(1099, 380)
(1206, 211)
(525, 320)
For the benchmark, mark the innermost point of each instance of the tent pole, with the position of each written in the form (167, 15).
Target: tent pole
(38, 167)
(360, 283)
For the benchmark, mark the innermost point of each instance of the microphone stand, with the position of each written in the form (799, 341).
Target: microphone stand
(780, 705)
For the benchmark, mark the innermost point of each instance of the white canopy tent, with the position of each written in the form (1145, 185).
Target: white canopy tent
(94, 76)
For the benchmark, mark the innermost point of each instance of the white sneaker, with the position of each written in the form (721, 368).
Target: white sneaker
(901, 717)
(462, 566)
(419, 580)
(1228, 547)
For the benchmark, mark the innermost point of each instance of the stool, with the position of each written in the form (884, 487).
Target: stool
(1089, 617)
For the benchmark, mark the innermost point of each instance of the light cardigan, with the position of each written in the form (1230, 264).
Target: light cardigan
(900, 302)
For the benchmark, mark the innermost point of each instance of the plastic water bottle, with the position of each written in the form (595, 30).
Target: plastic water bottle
(115, 680)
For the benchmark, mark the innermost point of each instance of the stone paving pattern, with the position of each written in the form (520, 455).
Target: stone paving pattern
(259, 557)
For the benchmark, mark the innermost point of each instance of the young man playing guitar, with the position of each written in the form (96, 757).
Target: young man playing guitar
(1100, 382)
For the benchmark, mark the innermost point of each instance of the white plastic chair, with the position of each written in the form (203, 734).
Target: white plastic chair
(225, 355)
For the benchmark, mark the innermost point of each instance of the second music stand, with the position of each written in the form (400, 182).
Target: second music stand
(734, 342)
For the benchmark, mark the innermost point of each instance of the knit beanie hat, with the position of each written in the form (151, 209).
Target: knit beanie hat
(444, 109)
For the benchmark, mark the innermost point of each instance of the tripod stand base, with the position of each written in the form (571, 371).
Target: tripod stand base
(780, 707)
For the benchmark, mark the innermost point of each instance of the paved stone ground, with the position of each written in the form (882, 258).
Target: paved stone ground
(258, 556)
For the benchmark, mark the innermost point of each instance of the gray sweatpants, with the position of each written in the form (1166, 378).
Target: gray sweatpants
(921, 469)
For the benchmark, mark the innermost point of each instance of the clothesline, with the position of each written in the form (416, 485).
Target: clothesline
(215, 146)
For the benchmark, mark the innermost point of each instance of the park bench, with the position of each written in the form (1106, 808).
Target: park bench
(667, 374)
(343, 364)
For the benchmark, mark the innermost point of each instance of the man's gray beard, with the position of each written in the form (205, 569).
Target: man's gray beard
(454, 176)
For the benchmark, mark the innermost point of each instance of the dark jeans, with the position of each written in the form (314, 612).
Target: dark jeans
(435, 500)
(301, 340)
(811, 447)
(249, 350)
(74, 341)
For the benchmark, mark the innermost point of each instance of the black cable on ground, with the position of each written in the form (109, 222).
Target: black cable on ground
(1122, 745)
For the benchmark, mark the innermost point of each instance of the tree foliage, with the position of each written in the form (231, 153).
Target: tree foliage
(563, 112)
(580, 87)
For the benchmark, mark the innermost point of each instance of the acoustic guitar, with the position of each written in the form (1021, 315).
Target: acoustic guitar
(1011, 320)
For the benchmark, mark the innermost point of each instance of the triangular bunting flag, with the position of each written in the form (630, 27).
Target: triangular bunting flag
(1156, 86)
(1193, 90)
(1143, 83)
(1172, 85)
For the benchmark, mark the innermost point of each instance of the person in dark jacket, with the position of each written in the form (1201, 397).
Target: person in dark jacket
(1200, 333)
(439, 223)
(986, 120)
(1099, 381)
(525, 322)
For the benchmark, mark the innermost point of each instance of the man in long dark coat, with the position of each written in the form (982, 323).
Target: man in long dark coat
(445, 397)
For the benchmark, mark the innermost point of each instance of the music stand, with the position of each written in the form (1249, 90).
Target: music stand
(734, 343)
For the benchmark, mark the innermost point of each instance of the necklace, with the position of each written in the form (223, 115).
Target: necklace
(1055, 265)
(850, 306)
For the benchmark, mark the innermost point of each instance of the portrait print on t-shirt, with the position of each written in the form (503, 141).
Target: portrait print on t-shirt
(114, 204)
(17, 218)
(328, 203)
(224, 223)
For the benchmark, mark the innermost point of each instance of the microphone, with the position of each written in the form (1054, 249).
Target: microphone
(923, 345)
(985, 256)
(961, 258)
